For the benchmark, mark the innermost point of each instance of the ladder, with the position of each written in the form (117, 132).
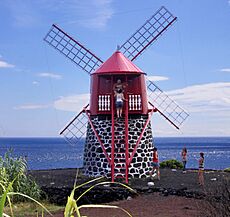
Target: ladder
(120, 145)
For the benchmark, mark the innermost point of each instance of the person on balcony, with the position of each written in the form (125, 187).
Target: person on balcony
(119, 85)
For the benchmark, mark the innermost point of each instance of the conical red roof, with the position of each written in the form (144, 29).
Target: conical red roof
(118, 63)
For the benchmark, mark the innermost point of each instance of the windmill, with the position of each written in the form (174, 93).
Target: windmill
(118, 148)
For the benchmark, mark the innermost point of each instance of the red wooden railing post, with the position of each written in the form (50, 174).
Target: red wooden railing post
(112, 129)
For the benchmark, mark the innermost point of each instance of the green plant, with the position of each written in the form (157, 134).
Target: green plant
(72, 207)
(14, 180)
(227, 170)
(172, 164)
(7, 192)
(12, 168)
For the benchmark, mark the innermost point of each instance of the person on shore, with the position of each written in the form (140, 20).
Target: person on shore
(184, 158)
(201, 169)
(155, 164)
(119, 101)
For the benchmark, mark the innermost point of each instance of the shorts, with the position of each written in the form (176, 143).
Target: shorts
(119, 104)
(154, 164)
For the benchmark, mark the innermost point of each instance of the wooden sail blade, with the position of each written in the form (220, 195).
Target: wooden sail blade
(75, 131)
(167, 107)
(152, 29)
(72, 49)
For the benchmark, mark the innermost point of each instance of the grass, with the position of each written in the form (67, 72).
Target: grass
(72, 207)
(16, 185)
(30, 209)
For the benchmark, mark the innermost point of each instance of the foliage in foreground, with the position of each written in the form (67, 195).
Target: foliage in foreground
(72, 207)
(171, 164)
(15, 184)
(227, 170)
(7, 193)
(32, 209)
(15, 170)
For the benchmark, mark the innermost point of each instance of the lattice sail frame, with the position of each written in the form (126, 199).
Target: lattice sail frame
(132, 48)
(76, 129)
(165, 105)
(72, 49)
(148, 33)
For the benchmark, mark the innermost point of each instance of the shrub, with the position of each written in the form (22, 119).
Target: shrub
(172, 164)
(227, 170)
(12, 168)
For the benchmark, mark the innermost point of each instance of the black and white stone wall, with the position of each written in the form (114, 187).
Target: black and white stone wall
(95, 162)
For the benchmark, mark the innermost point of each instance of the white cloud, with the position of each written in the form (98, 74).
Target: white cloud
(4, 64)
(225, 70)
(212, 97)
(73, 103)
(207, 104)
(24, 13)
(209, 109)
(205, 97)
(35, 83)
(31, 107)
(50, 75)
(157, 78)
(102, 14)
(90, 14)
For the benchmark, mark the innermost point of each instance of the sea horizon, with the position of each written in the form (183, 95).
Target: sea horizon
(55, 152)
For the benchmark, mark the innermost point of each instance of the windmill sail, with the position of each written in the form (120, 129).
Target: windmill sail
(148, 33)
(72, 49)
(75, 130)
(165, 105)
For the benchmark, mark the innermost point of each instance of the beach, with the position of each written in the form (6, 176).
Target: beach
(176, 194)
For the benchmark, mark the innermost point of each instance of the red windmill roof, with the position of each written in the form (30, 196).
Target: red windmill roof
(118, 63)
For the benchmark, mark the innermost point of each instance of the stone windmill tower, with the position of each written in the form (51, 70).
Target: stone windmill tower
(118, 148)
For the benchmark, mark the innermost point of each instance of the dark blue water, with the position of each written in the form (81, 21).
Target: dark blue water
(51, 153)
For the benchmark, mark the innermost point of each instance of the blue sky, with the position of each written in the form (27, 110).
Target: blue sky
(41, 90)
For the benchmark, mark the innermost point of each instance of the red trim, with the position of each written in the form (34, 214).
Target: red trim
(140, 137)
(153, 39)
(126, 137)
(74, 119)
(98, 138)
(164, 116)
(113, 134)
(77, 43)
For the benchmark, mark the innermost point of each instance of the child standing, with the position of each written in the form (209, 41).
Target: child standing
(184, 158)
(201, 169)
(119, 101)
(155, 163)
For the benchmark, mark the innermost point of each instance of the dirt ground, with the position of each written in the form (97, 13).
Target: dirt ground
(153, 205)
(149, 204)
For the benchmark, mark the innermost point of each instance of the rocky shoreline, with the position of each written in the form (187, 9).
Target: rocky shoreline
(57, 185)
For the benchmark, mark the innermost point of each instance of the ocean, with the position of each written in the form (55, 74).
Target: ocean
(53, 153)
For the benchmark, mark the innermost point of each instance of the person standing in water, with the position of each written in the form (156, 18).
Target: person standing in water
(201, 169)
